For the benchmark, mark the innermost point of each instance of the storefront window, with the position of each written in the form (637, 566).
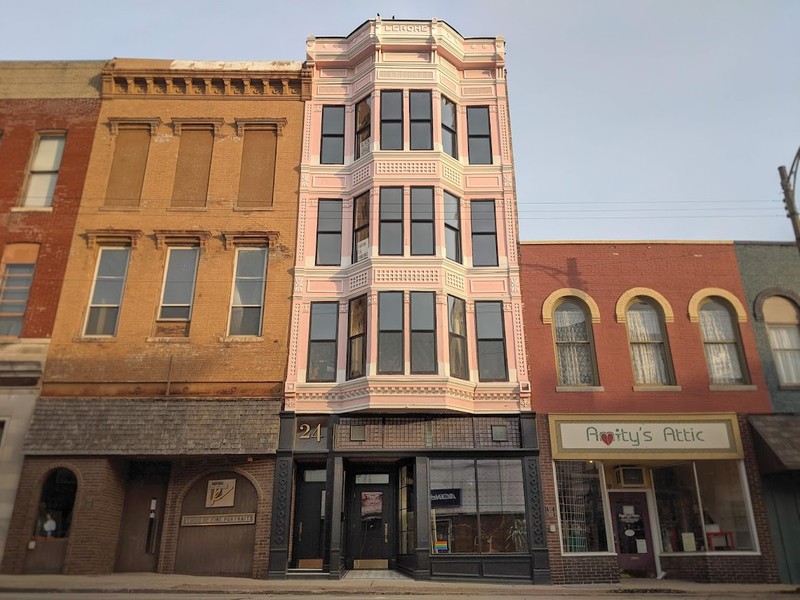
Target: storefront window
(727, 522)
(477, 506)
(580, 505)
(408, 521)
(717, 487)
(678, 508)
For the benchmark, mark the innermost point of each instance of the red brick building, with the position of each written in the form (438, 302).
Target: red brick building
(48, 113)
(644, 368)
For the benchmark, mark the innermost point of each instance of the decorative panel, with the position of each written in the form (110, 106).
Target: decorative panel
(406, 276)
(403, 168)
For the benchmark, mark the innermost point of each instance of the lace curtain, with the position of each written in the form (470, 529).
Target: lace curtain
(648, 353)
(720, 344)
(785, 340)
(575, 363)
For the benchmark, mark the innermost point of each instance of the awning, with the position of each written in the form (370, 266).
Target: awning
(154, 426)
(777, 442)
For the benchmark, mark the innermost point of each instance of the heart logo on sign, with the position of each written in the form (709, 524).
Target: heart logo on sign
(607, 437)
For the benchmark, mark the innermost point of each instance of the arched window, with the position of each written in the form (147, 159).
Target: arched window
(574, 348)
(721, 343)
(55, 504)
(647, 337)
(783, 326)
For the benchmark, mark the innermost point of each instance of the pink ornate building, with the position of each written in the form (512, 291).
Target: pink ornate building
(407, 437)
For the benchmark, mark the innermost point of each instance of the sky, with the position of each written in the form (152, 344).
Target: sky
(631, 119)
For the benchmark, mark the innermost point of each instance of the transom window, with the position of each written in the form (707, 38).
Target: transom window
(43, 172)
(783, 327)
(721, 343)
(648, 344)
(574, 349)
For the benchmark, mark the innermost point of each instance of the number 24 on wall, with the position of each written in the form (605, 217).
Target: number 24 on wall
(306, 432)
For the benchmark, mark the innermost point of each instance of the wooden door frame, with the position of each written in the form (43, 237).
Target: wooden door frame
(652, 516)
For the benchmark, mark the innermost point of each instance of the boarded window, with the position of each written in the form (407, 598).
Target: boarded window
(194, 166)
(258, 168)
(127, 170)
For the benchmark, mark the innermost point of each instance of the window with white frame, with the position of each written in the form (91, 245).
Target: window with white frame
(390, 333)
(107, 291)
(721, 343)
(43, 173)
(390, 236)
(574, 346)
(490, 328)
(422, 229)
(479, 135)
(15, 285)
(357, 338)
(648, 344)
(484, 233)
(783, 327)
(449, 127)
(363, 127)
(423, 333)
(247, 301)
(329, 233)
(391, 120)
(420, 120)
(178, 292)
(322, 336)
(452, 227)
(361, 227)
(457, 332)
(332, 142)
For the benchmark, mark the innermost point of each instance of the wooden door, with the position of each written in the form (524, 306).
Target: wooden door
(632, 533)
(309, 519)
(140, 531)
(372, 531)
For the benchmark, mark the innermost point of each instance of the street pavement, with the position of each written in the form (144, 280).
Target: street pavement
(187, 587)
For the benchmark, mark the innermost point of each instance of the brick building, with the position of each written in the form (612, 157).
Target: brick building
(154, 439)
(48, 112)
(407, 440)
(771, 278)
(644, 370)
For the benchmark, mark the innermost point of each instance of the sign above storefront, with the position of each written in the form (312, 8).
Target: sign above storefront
(234, 519)
(645, 436)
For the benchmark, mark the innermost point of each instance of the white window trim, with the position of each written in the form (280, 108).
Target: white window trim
(231, 305)
(90, 305)
(161, 303)
(48, 205)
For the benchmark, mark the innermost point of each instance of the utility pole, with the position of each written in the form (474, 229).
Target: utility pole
(788, 181)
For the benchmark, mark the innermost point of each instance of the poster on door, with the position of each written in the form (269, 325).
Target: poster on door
(371, 505)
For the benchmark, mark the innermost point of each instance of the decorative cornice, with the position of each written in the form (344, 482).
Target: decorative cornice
(178, 236)
(179, 124)
(276, 124)
(128, 237)
(249, 238)
(115, 123)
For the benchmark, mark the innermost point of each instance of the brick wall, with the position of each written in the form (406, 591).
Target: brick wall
(261, 472)
(94, 532)
(53, 230)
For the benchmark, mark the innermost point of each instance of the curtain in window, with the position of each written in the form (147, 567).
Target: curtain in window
(647, 345)
(572, 343)
(785, 342)
(719, 336)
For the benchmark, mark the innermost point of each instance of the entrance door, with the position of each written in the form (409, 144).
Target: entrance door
(632, 533)
(371, 530)
(140, 531)
(309, 519)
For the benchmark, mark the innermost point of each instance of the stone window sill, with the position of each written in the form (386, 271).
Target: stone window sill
(580, 388)
(169, 340)
(657, 388)
(718, 387)
(32, 209)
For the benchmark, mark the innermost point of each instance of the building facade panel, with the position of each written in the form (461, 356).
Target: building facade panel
(645, 365)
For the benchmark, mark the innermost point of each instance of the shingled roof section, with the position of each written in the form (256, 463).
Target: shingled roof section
(153, 426)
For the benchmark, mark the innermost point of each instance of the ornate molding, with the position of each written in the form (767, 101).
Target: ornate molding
(117, 123)
(181, 236)
(126, 237)
(549, 305)
(260, 124)
(249, 238)
(178, 125)
(625, 300)
(193, 84)
(698, 297)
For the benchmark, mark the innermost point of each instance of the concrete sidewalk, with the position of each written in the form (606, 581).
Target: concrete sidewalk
(155, 583)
